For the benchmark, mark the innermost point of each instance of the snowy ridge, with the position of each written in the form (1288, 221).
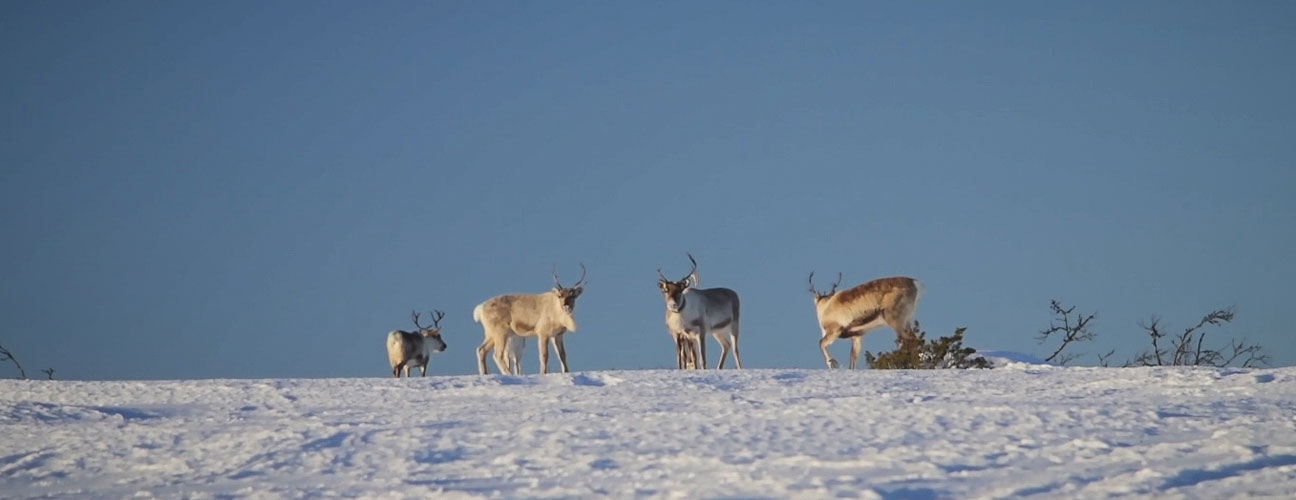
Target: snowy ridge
(1031, 431)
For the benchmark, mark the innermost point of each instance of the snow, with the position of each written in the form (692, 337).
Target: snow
(1022, 431)
(1005, 358)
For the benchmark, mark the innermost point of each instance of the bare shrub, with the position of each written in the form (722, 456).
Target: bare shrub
(1188, 348)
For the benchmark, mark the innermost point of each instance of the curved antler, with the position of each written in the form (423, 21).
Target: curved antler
(437, 314)
(830, 291)
(692, 271)
(579, 282)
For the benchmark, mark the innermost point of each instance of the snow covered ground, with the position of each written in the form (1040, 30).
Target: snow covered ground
(1022, 431)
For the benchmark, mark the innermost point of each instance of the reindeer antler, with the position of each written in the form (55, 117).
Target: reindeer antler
(693, 270)
(579, 282)
(414, 315)
(830, 291)
(437, 314)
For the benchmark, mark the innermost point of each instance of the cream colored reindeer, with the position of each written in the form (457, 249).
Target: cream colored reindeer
(692, 313)
(855, 311)
(546, 316)
(411, 349)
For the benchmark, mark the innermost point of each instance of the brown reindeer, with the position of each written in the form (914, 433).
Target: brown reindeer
(855, 311)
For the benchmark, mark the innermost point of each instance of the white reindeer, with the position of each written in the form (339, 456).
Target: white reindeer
(685, 343)
(692, 313)
(851, 313)
(546, 316)
(513, 356)
(410, 349)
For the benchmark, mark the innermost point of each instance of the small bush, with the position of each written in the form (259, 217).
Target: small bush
(920, 354)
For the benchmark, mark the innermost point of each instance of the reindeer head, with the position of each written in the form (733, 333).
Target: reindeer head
(567, 295)
(673, 291)
(819, 297)
(432, 334)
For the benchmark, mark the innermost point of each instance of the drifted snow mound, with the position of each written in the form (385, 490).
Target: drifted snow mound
(1012, 359)
(1033, 432)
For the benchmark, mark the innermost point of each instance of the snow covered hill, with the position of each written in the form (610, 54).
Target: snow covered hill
(1024, 431)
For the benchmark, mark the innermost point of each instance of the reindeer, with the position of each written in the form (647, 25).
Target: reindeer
(692, 313)
(855, 311)
(685, 344)
(546, 316)
(409, 349)
(513, 358)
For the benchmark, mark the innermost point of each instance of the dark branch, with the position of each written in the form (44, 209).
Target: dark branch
(1189, 347)
(5, 355)
(1071, 332)
(1102, 358)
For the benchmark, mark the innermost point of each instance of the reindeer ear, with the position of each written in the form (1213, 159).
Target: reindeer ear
(577, 291)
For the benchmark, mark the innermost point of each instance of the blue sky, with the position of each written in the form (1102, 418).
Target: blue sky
(264, 189)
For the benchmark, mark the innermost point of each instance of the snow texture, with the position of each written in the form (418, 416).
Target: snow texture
(1022, 431)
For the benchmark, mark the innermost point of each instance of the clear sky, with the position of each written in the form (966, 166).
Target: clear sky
(264, 189)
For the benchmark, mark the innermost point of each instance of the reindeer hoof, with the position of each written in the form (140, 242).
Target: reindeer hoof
(832, 363)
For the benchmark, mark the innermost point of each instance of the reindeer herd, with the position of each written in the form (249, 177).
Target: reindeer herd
(692, 313)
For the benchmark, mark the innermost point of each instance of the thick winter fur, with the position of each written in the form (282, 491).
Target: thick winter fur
(546, 316)
(412, 349)
(692, 313)
(855, 311)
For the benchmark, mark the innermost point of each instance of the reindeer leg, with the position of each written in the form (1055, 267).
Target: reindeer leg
(732, 332)
(855, 349)
(486, 345)
(501, 356)
(679, 351)
(562, 352)
(544, 354)
(824, 341)
(690, 352)
(733, 337)
(701, 342)
(685, 352)
(724, 349)
(514, 358)
(693, 354)
(396, 371)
